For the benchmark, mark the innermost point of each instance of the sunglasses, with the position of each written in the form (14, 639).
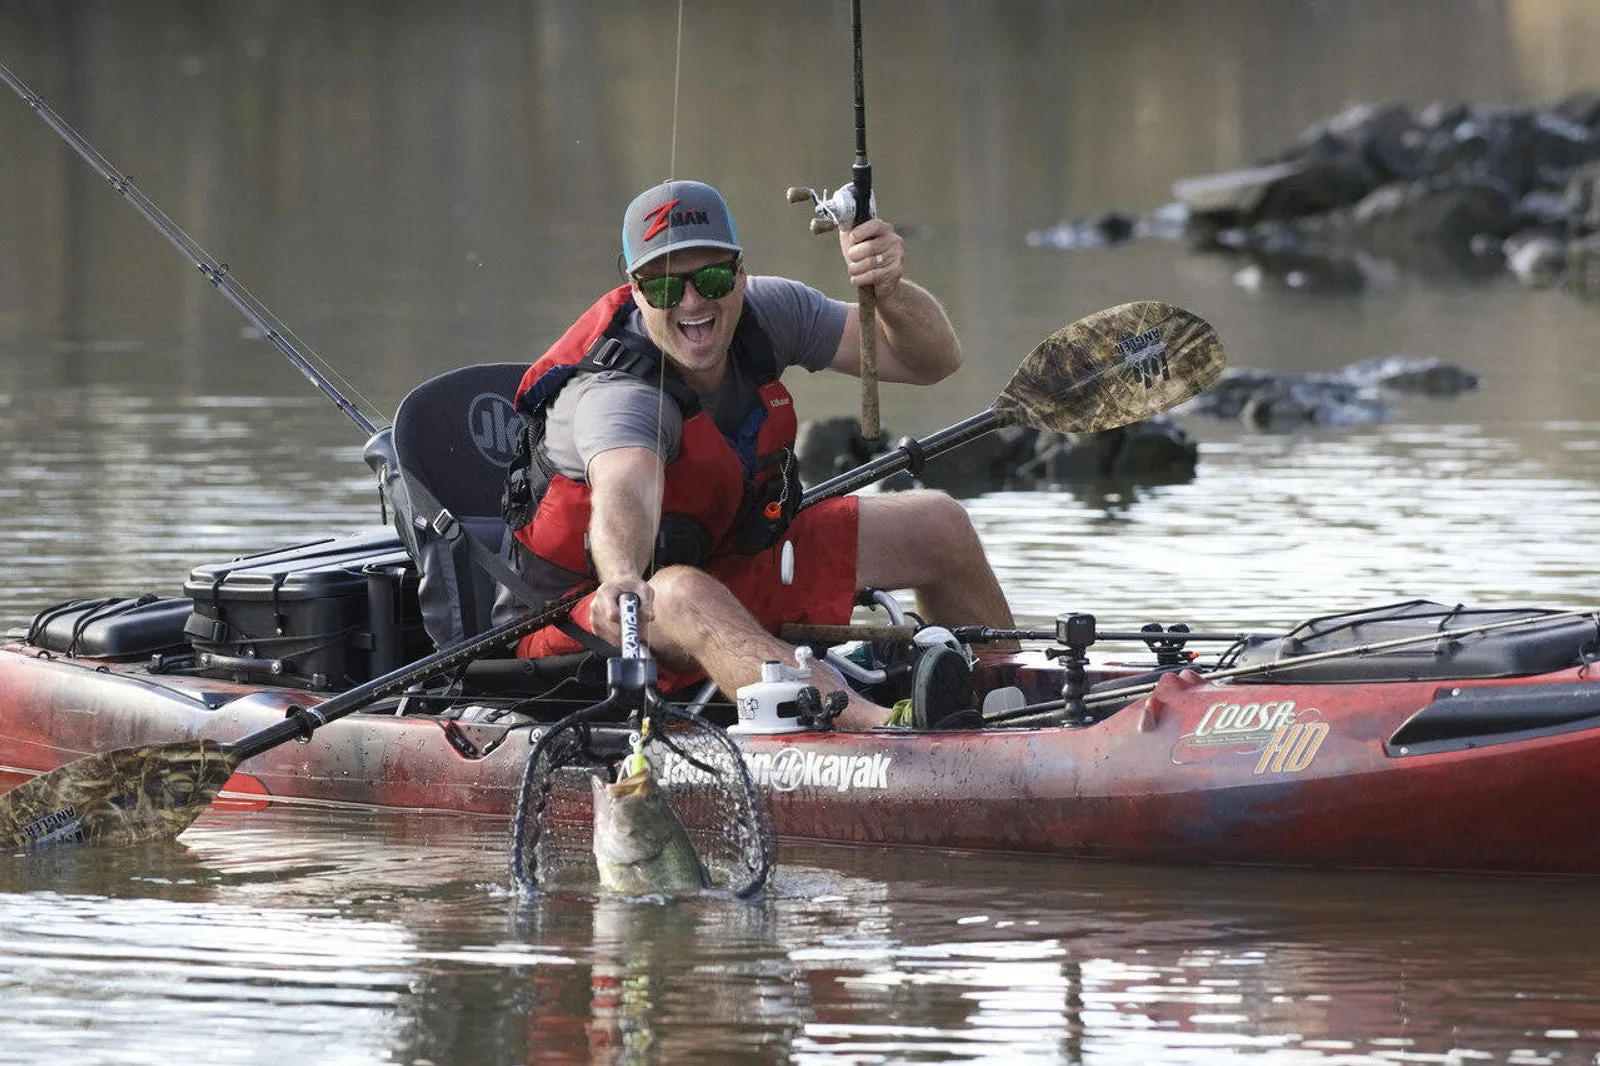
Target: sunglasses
(713, 282)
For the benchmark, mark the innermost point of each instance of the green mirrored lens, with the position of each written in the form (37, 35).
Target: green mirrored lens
(715, 281)
(664, 291)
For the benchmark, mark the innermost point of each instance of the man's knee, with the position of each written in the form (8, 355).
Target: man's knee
(916, 539)
(676, 587)
(944, 509)
(937, 524)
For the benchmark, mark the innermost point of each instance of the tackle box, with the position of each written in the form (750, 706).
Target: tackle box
(328, 614)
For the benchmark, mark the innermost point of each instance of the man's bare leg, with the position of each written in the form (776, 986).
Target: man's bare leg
(698, 621)
(924, 541)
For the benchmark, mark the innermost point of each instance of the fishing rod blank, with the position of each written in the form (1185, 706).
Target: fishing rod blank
(214, 272)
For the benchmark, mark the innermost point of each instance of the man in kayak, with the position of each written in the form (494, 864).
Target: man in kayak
(675, 478)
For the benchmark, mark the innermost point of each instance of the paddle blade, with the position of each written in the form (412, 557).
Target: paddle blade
(126, 796)
(1114, 368)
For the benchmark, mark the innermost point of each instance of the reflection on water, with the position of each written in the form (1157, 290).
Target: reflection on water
(1278, 529)
(418, 186)
(349, 939)
(111, 494)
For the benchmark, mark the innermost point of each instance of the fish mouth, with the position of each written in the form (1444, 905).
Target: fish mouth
(635, 784)
(640, 847)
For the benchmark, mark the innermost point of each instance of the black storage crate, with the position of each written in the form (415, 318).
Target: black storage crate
(327, 615)
(112, 627)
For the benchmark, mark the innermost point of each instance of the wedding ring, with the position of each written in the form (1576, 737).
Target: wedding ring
(880, 259)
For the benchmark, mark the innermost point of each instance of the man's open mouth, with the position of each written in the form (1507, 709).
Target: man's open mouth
(697, 330)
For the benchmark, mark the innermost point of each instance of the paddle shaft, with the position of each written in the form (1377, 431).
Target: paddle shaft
(910, 454)
(1075, 379)
(302, 721)
(214, 272)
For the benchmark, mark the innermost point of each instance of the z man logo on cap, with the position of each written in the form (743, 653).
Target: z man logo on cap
(662, 217)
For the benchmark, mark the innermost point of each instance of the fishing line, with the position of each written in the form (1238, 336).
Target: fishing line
(661, 369)
(677, 75)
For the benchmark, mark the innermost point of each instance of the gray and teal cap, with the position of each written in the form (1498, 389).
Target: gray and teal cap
(674, 217)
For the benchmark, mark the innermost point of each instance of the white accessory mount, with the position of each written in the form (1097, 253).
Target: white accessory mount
(772, 705)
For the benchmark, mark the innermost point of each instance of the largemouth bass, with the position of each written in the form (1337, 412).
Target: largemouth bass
(640, 847)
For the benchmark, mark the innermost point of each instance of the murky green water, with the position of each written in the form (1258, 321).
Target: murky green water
(414, 186)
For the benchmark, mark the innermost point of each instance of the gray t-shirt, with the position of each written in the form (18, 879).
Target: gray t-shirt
(599, 412)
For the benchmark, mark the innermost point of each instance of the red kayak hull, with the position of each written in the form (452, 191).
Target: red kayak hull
(1196, 772)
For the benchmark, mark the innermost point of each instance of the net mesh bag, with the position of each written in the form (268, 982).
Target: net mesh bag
(696, 766)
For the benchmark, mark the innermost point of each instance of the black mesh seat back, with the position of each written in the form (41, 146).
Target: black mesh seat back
(455, 434)
(449, 448)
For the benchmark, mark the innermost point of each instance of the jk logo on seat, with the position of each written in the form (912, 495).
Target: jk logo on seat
(493, 425)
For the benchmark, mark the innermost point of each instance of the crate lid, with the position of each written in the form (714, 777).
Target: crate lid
(333, 567)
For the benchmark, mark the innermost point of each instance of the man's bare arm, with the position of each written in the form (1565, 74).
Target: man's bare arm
(917, 345)
(625, 511)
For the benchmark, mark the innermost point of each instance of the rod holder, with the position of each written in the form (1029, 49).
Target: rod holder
(1076, 632)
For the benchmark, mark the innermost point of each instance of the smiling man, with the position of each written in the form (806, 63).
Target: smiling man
(659, 460)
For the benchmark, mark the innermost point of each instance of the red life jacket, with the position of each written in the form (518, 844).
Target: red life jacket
(721, 495)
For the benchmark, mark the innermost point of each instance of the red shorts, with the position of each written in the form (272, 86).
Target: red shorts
(823, 592)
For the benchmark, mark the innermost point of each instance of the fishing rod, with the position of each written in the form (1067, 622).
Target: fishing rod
(213, 271)
(1115, 695)
(853, 204)
(867, 302)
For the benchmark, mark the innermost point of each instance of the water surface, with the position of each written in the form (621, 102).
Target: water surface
(416, 186)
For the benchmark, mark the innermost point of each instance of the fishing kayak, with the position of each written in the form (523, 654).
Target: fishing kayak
(1409, 735)
(1412, 735)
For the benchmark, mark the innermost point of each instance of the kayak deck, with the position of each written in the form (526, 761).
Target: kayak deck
(1483, 774)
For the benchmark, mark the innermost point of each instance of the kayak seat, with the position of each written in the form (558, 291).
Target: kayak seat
(441, 468)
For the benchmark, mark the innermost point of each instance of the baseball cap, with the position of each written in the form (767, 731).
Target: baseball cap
(673, 217)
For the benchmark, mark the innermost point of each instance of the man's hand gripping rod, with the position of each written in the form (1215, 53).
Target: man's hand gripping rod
(841, 211)
(849, 207)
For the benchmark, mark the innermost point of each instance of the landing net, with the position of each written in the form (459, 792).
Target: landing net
(698, 769)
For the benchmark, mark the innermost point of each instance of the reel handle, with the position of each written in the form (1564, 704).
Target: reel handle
(843, 207)
(822, 220)
(850, 205)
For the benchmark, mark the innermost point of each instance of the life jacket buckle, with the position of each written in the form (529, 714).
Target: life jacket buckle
(608, 352)
(445, 525)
